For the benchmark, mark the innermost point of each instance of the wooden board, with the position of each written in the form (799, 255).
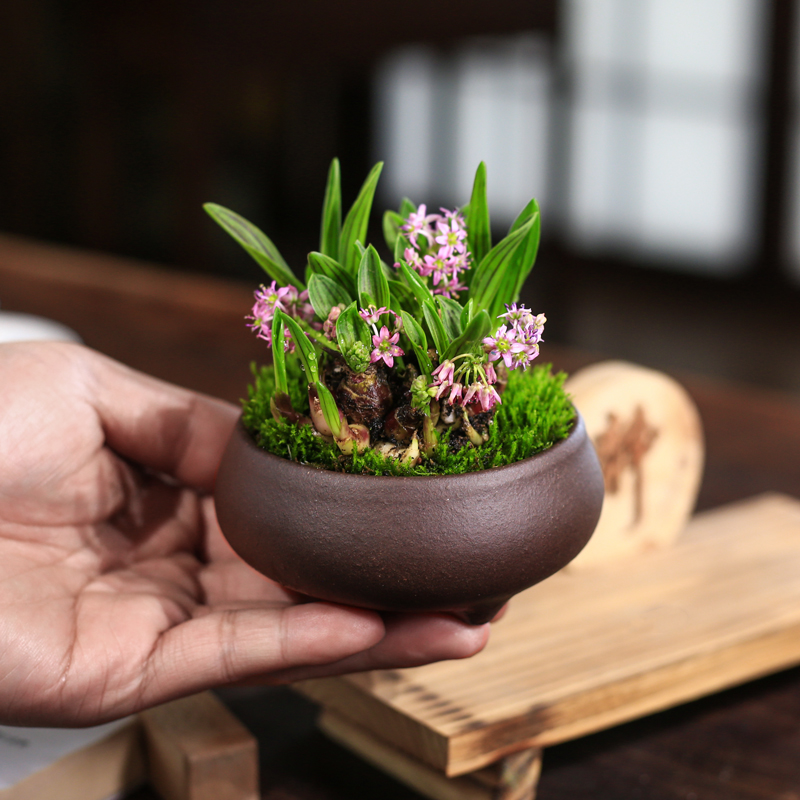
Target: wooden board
(512, 778)
(587, 650)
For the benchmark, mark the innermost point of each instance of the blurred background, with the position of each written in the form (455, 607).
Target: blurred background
(661, 138)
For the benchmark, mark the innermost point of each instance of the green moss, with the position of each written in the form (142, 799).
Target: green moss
(534, 415)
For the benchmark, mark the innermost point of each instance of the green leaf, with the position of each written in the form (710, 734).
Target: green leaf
(525, 257)
(373, 287)
(324, 294)
(406, 208)
(331, 227)
(329, 267)
(419, 341)
(479, 327)
(329, 408)
(279, 356)
(256, 243)
(355, 224)
(489, 276)
(466, 313)
(402, 294)
(479, 233)
(400, 249)
(303, 347)
(416, 284)
(440, 338)
(450, 312)
(392, 223)
(354, 339)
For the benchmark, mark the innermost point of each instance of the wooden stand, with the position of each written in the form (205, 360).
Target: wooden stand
(190, 749)
(584, 651)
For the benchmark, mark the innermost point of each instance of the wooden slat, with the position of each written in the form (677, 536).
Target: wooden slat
(583, 651)
(512, 778)
(198, 750)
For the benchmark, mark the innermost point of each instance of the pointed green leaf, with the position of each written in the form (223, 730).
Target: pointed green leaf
(450, 312)
(373, 287)
(400, 249)
(355, 224)
(392, 223)
(525, 257)
(521, 262)
(440, 338)
(466, 314)
(419, 341)
(303, 347)
(491, 272)
(406, 208)
(479, 326)
(329, 267)
(324, 294)
(255, 242)
(415, 283)
(331, 227)
(279, 356)
(478, 229)
(402, 294)
(329, 408)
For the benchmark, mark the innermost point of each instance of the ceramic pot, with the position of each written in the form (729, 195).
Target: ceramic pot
(462, 544)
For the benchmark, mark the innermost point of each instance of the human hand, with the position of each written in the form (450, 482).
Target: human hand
(117, 589)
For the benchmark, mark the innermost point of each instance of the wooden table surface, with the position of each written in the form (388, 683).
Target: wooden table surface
(742, 744)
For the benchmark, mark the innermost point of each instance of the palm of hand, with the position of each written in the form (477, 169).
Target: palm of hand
(117, 589)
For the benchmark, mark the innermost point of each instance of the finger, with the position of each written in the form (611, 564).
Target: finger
(411, 640)
(235, 581)
(158, 425)
(227, 646)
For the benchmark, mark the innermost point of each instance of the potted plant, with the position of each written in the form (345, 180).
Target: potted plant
(402, 452)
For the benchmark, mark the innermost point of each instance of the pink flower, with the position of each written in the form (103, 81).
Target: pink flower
(499, 345)
(472, 390)
(371, 315)
(386, 347)
(488, 397)
(444, 372)
(451, 235)
(271, 298)
(329, 326)
(419, 222)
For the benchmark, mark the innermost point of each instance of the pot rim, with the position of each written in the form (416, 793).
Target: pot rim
(561, 448)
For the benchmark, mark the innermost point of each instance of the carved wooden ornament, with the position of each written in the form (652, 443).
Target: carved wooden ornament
(648, 437)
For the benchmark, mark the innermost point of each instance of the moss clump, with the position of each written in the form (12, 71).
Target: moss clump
(534, 415)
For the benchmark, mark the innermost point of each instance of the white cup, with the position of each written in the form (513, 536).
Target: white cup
(16, 327)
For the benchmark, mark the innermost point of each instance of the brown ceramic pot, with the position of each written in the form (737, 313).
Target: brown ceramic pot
(462, 544)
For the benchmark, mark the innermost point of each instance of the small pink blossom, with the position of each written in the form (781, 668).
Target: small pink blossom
(329, 326)
(451, 235)
(488, 397)
(386, 347)
(272, 298)
(444, 372)
(472, 390)
(372, 315)
(419, 222)
(499, 345)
